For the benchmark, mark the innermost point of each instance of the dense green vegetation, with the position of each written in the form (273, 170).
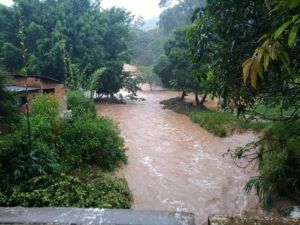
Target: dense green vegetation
(178, 15)
(51, 170)
(9, 114)
(45, 155)
(246, 53)
(148, 46)
(65, 40)
(262, 86)
(218, 123)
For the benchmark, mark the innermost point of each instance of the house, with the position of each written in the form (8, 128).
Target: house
(37, 85)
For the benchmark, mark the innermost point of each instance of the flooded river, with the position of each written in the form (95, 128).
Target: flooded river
(175, 165)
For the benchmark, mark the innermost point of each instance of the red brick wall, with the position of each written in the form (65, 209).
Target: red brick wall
(60, 93)
(32, 82)
(42, 83)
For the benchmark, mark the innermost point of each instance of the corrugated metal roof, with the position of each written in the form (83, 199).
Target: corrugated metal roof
(15, 88)
(40, 76)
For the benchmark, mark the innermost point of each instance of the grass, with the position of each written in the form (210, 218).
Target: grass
(218, 123)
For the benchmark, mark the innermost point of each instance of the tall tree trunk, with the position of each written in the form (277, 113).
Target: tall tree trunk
(183, 95)
(150, 85)
(203, 99)
(197, 99)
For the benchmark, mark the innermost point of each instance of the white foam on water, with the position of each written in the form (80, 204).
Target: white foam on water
(148, 162)
(179, 205)
(295, 214)
(245, 138)
(198, 156)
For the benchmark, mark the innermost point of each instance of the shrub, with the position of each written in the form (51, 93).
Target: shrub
(9, 113)
(31, 174)
(20, 163)
(46, 105)
(81, 106)
(95, 142)
(20, 160)
(279, 163)
(70, 191)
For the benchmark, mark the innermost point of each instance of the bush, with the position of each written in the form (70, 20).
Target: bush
(95, 142)
(69, 191)
(30, 174)
(20, 163)
(279, 163)
(9, 113)
(46, 105)
(81, 106)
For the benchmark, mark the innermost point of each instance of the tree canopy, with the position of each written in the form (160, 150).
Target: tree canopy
(66, 40)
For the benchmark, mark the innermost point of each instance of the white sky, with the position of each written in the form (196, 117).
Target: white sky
(145, 8)
(6, 2)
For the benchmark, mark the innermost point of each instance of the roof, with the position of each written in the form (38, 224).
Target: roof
(40, 76)
(15, 88)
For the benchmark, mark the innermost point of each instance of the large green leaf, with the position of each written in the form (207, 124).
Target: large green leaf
(281, 29)
(293, 35)
(294, 4)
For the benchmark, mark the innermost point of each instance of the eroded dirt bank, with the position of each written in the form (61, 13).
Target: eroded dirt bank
(176, 165)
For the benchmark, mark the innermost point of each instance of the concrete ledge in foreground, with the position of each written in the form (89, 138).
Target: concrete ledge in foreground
(223, 220)
(76, 216)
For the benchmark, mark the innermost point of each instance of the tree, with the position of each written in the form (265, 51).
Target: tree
(178, 15)
(107, 81)
(9, 113)
(66, 40)
(274, 72)
(222, 37)
(227, 31)
(147, 46)
(163, 69)
(176, 68)
(148, 76)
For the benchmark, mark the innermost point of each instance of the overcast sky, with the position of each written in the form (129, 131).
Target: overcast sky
(146, 9)
(6, 2)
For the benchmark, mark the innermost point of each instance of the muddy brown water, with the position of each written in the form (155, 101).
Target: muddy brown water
(175, 165)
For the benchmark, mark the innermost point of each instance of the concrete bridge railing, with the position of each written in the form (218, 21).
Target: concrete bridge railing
(76, 216)
(223, 220)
